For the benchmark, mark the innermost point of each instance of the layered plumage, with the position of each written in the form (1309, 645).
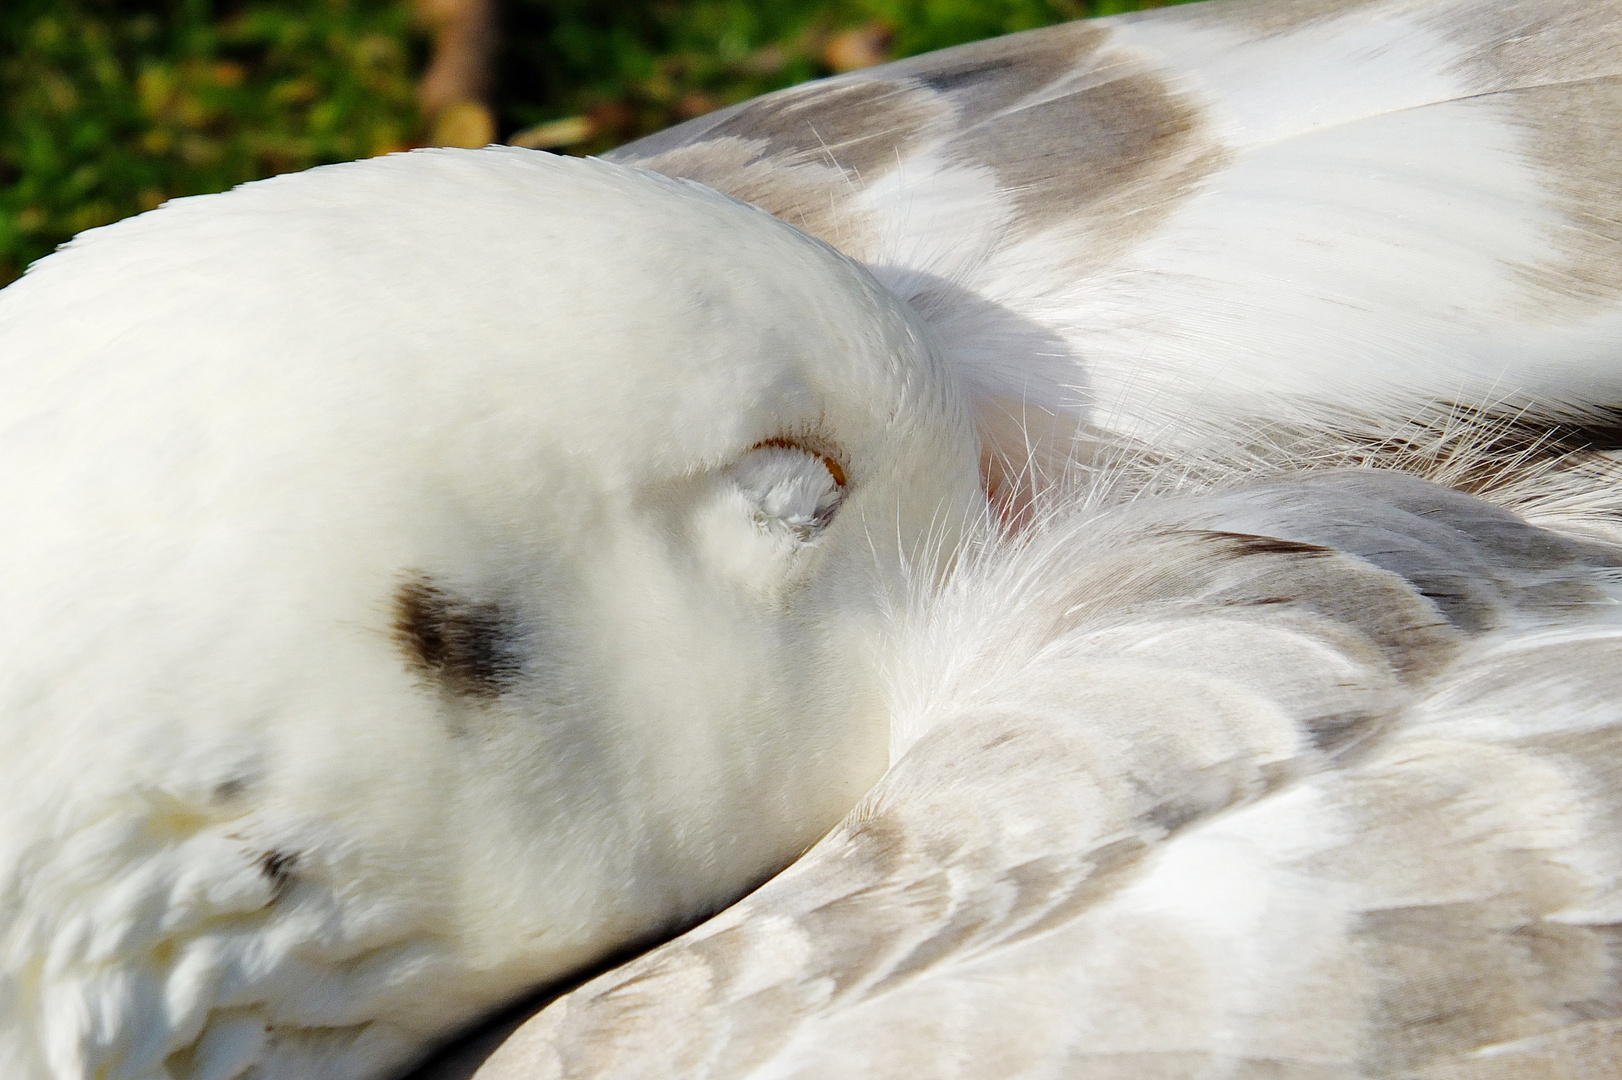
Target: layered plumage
(1307, 216)
(1178, 797)
(1253, 756)
(426, 577)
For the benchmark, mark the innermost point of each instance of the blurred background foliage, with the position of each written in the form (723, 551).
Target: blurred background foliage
(112, 106)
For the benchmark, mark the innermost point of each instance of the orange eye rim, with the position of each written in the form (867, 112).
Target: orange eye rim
(835, 467)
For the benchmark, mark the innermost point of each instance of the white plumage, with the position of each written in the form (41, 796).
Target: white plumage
(422, 580)
(427, 577)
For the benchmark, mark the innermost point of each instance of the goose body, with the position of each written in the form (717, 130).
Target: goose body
(1145, 505)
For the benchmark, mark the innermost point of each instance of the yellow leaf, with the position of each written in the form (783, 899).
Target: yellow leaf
(566, 132)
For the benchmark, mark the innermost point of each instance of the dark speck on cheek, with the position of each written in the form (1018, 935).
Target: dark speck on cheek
(467, 647)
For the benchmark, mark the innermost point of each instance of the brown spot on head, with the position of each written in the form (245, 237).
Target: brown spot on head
(467, 647)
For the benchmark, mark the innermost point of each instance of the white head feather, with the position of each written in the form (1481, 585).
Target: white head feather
(425, 576)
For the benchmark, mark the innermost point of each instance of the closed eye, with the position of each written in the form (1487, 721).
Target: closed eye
(790, 486)
(835, 469)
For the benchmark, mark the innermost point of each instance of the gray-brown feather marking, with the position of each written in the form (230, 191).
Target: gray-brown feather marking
(1586, 1051)
(989, 77)
(1574, 134)
(813, 195)
(1479, 563)
(858, 126)
(1273, 17)
(1555, 69)
(1445, 950)
(1126, 149)
(801, 153)
(1408, 632)
(1110, 157)
(1508, 46)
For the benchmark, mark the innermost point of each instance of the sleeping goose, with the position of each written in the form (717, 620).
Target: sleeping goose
(1167, 553)
(374, 652)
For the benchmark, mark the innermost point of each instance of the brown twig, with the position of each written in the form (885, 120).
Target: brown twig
(454, 92)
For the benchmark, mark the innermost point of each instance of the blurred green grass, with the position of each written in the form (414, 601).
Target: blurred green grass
(112, 106)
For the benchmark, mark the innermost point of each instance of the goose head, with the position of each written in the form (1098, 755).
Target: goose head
(425, 577)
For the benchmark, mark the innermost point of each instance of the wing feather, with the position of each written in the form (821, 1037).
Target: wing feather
(1185, 221)
(1313, 777)
(1172, 800)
